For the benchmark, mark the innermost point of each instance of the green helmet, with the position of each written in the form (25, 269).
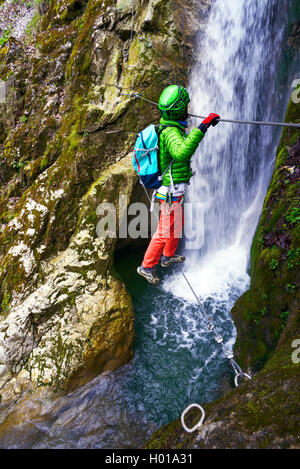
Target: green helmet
(173, 102)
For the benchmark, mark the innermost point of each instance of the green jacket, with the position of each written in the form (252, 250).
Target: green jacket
(175, 144)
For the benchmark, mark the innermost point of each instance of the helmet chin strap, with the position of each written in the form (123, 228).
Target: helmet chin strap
(166, 114)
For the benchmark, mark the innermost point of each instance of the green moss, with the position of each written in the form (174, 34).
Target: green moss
(261, 313)
(5, 304)
(44, 163)
(91, 218)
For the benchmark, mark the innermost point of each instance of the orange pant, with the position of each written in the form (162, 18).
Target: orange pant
(166, 238)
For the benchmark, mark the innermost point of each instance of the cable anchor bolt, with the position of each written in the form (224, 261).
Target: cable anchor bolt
(229, 355)
(219, 339)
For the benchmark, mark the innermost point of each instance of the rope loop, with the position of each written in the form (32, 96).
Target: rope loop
(240, 375)
(198, 424)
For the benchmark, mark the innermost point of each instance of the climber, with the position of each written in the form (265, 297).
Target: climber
(174, 144)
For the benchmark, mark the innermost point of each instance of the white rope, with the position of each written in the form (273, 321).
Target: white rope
(198, 424)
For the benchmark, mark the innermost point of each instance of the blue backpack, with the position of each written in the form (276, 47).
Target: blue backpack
(146, 157)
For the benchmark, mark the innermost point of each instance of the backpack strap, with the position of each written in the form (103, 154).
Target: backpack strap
(152, 200)
(166, 170)
(169, 167)
(145, 149)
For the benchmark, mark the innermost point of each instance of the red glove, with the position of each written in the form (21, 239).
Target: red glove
(212, 119)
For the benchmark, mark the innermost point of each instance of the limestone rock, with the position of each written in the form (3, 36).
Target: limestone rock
(65, 316)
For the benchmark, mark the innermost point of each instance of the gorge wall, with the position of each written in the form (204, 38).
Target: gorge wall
(65, 314)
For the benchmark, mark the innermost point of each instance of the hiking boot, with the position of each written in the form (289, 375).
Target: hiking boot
(176, 259)
(148, 274)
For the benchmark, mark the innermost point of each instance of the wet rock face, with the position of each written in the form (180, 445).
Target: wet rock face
(65, 316)
(294, 38)
(78, 320)
(263, 412)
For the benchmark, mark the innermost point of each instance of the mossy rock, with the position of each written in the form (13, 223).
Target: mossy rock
(59, 165)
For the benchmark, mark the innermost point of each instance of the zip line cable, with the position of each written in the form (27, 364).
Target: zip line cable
(135, 94)
(232, 121)
(274, 124)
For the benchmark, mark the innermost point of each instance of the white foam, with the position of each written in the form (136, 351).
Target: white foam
(213, 277)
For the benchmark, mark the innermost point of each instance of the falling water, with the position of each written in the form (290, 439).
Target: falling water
(236, 78)
(176, 360)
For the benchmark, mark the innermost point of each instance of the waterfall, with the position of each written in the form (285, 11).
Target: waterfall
(235, 76)
(176, 359)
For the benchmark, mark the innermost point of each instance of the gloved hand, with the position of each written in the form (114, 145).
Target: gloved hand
(212, 119)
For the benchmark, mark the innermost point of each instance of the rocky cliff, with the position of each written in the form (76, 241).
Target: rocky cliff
(263, 412)
(65, 316)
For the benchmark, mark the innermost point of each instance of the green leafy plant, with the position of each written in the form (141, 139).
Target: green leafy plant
(19, 164)
(263, 311)
(293, 216)
(6, 35)
(285, 315)
(273, 264)
(293, 258)
(261, 241)
(23, 119)
(290, 287)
